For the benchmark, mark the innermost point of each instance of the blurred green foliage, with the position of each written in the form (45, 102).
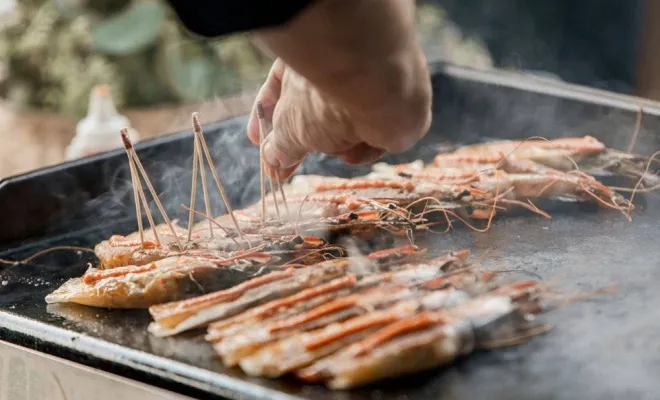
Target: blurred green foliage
(55, 51)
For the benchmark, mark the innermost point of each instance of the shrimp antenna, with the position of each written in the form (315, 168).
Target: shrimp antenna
(138, 194)
(129, 147)
(197, 129)
(211, 220)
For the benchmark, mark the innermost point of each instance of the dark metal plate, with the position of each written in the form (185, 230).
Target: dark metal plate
(606, 347)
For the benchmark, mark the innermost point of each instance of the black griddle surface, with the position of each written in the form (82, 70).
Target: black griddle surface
(606, 347)
(601, 348)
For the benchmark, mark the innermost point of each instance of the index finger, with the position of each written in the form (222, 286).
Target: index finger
(268, 96)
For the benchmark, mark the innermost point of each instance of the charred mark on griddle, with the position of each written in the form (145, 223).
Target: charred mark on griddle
(616, 164)
(353, 216)
(462, 194)
(405, 175)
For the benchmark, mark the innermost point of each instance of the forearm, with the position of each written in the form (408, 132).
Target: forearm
(365, 56)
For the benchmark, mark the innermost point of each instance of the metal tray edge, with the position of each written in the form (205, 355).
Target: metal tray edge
(136, 359)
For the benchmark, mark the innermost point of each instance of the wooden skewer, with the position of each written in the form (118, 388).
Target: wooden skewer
(198, 129)
(273, 191)
(129, 146)
(262, 166)
(205, 189)
(145, 204)
(136, 197)
(193, 190)
(263, 132)
(286, 207)
(140, 198)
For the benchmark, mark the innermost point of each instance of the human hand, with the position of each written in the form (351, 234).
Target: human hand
(306, 120)
(351, 81)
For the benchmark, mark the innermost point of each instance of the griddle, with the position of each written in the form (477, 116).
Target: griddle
(603, 347)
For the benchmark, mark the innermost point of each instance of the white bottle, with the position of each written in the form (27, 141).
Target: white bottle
(99, 130)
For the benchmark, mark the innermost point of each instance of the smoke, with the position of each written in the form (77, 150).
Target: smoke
(168, 163)
(465, 110)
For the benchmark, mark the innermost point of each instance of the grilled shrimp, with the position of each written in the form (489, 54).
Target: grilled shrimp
(177, 317)
(247, 341)
(402, 275)
(121, 251)
(367, 295)
(575, 187)
(587, 153)
(429, 339)
(165, 280)
(300, 350)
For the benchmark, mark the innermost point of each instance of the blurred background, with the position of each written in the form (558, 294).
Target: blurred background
(53, 53)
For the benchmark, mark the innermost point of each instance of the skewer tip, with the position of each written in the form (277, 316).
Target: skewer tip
(197, 127)
(124, 137)
(260, 111)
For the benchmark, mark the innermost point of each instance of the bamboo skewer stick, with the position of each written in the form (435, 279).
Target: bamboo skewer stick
(145, 204)
(286, 207)
(198, 129)
(262, 135)
(193, 190)
(263, 132)
(205, 189)
(129, 146)
(141, 201)
(262, 166)
(136, 197)
(274, 192)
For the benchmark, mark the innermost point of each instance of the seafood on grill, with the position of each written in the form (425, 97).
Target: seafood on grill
(565, 154)
(566, 186)
(120, 251)
(394, 268)
(176, 317)
(298, 351)
(169, 279)
(173, 318)
(429, 339)
(323, 214)
(276, 298)
(402, 274)
(473, 193)
(235, 341)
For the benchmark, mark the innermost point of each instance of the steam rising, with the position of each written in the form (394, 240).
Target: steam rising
(464, 112)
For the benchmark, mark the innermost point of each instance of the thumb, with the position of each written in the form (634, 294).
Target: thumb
(282, 151)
